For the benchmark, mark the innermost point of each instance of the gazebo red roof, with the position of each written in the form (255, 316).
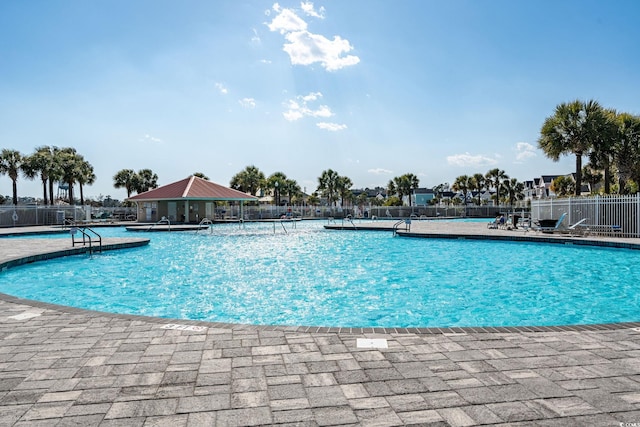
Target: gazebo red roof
(193, 188)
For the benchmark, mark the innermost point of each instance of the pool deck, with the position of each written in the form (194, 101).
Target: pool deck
(63, 366)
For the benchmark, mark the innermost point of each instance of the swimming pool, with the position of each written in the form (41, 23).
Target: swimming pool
(311, 276)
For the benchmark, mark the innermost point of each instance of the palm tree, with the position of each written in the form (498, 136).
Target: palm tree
(494, 178)
(344, 189)
(127, 179)
(403, 185)
(276, 183)
(603, 145)
(328, 184)
(291, 189)
(249, 181)
(513, 189)
(86, 176)
(147, 180)
(56, 172)
(626, 156)
(10, 164)
(40, 162)
(463, 184)
(571, 130)
(70, 163)
(478, 183)
(414, 184)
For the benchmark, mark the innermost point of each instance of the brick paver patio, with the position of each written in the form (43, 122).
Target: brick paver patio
(63, 366)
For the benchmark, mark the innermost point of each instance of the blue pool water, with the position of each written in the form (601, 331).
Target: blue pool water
(311, 276)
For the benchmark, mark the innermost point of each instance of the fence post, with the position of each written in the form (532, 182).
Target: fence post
(637, 214)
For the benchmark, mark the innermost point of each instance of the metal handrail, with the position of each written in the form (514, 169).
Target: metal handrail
(205, 221)
(407, 225)
(349, 219)
(162, 221)
(85, 236)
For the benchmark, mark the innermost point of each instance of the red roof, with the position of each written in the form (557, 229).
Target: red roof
(193, 188)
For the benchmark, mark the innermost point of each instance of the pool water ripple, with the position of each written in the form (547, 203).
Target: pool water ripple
(311, 276)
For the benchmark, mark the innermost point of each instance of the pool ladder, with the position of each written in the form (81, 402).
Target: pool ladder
(282, 221)
(397, 225)
(86, 237)
(164, 220)
(205, 221)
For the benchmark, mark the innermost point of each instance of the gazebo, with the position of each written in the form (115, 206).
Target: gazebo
(188, 201)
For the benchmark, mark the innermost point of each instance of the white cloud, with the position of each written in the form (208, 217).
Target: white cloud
(306, 48)
(380, 171)
(524, 151)
(249, 103)
(467, 159)
(312, 96)
(298, 108)
(310, 11)
(331, 126)
(287, 21)
(149, 138)
(223, 90)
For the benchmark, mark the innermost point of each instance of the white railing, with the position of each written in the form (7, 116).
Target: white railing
(599, 211)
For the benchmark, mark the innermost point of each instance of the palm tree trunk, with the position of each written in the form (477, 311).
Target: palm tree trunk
(71, 201)
(81, 196)
(15, 192)
(578, 174)
(44, 190)
(51, 191)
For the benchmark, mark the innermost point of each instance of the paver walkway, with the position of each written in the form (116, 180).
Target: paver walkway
(63, 366)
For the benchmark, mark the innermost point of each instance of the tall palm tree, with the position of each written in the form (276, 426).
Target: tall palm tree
(328, 183)
(40, 162)
(463, 184)
(513, 189)
(291, 189)
(277, 183)
(10, 164)
(571, 130)
(403, 185)
(127, 179)
(86, 176)
(478, 183)
(70, 163)
(56, 172)
(626, 156)
(344, 189)
(603, 146)
(494, 178)
(147, 180)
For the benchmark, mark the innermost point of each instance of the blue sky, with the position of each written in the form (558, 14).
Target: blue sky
(371, 89)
